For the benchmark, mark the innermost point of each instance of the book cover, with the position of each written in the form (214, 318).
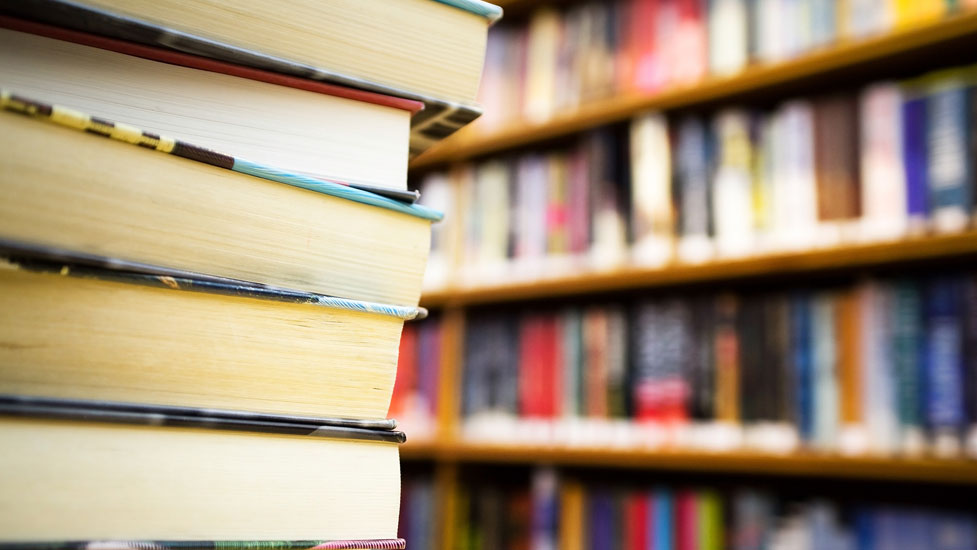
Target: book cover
(914, 157)
(950, 150)
(944, 364)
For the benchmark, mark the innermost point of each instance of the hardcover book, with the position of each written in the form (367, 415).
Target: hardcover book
(76, 331)
(429, 50)
(198, 210)
(80, 470)
(304, 126)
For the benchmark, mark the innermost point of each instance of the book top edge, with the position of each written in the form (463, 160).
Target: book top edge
(191, 61)
(489, 11)
(192, 417)
(44, 259)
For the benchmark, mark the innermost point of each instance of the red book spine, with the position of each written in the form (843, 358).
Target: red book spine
(406, 371)
(647, 71)
(638, 524)
(686, 520)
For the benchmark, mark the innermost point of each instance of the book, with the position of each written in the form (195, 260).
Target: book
(430, 50)
(652, 216)
(79, 471)
(691, 183)
(76, 331)
(304, 126)
(883, 180)
(205, 212)
(950, 146)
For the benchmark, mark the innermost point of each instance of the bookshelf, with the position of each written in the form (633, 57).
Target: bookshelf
(887, 48)
(882, 56)
(848, 257)
(954, 472)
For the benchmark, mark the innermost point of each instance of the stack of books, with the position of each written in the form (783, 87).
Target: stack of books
(208, 254)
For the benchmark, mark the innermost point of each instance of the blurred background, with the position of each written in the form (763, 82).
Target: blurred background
(707, 279)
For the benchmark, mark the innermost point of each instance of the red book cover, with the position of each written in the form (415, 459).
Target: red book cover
(530, 374)
(638, 524)
(406, 371)
(558, 373)
(647, 74)
(206, 64)
(690, 49)
(686, 521)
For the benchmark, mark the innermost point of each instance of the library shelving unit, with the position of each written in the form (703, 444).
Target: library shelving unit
(873, 57)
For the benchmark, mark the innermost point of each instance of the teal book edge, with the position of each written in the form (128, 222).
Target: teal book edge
(489, 11)
(70, 118)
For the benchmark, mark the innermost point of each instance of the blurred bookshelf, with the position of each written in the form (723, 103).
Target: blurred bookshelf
(511, 274)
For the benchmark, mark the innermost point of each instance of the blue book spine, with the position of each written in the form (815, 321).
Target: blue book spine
(865, 529)
(601, 520)
(948, 151)
(944, 366)
(800, 322)
(914, 156)
(664, 520)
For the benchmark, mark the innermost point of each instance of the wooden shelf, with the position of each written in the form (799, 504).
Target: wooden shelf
(846, 257)
(470, 142)
(807, 465)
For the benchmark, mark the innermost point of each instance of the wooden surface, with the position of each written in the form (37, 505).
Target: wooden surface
(470, 142)
(845, 257)
(808, 465)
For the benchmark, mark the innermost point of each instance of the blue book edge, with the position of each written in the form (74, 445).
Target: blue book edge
(489, 11)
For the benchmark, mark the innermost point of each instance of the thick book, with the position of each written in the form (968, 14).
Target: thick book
(304, 126)
(363, 544)
(83, 331)
(429, 50)
(199, 210)
(77, 470)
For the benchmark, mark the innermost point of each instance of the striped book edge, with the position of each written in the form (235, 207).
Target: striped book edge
(25, 406)
(77, 120)
(31, 257)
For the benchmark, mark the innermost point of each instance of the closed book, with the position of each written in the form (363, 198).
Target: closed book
(691, 183)
(88, 471)
(907, 334)
(836, 154)
(429, 50)
(201, 211)
(970, 360)
(652, 209)
(304, 126)
(914, 157)
(950, 143)
(77, 331)
(728, 31)
(732, 193)
(882, 175)
(944, 364)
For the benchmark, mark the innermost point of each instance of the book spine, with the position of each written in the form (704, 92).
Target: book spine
(949, 154)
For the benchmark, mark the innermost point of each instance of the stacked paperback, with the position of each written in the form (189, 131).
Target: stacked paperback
(207, 255)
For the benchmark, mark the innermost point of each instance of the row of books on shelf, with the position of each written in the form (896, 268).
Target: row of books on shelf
(415, 396)
(893, 159)
(560, 58)
(878, 367)
(556, 511)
